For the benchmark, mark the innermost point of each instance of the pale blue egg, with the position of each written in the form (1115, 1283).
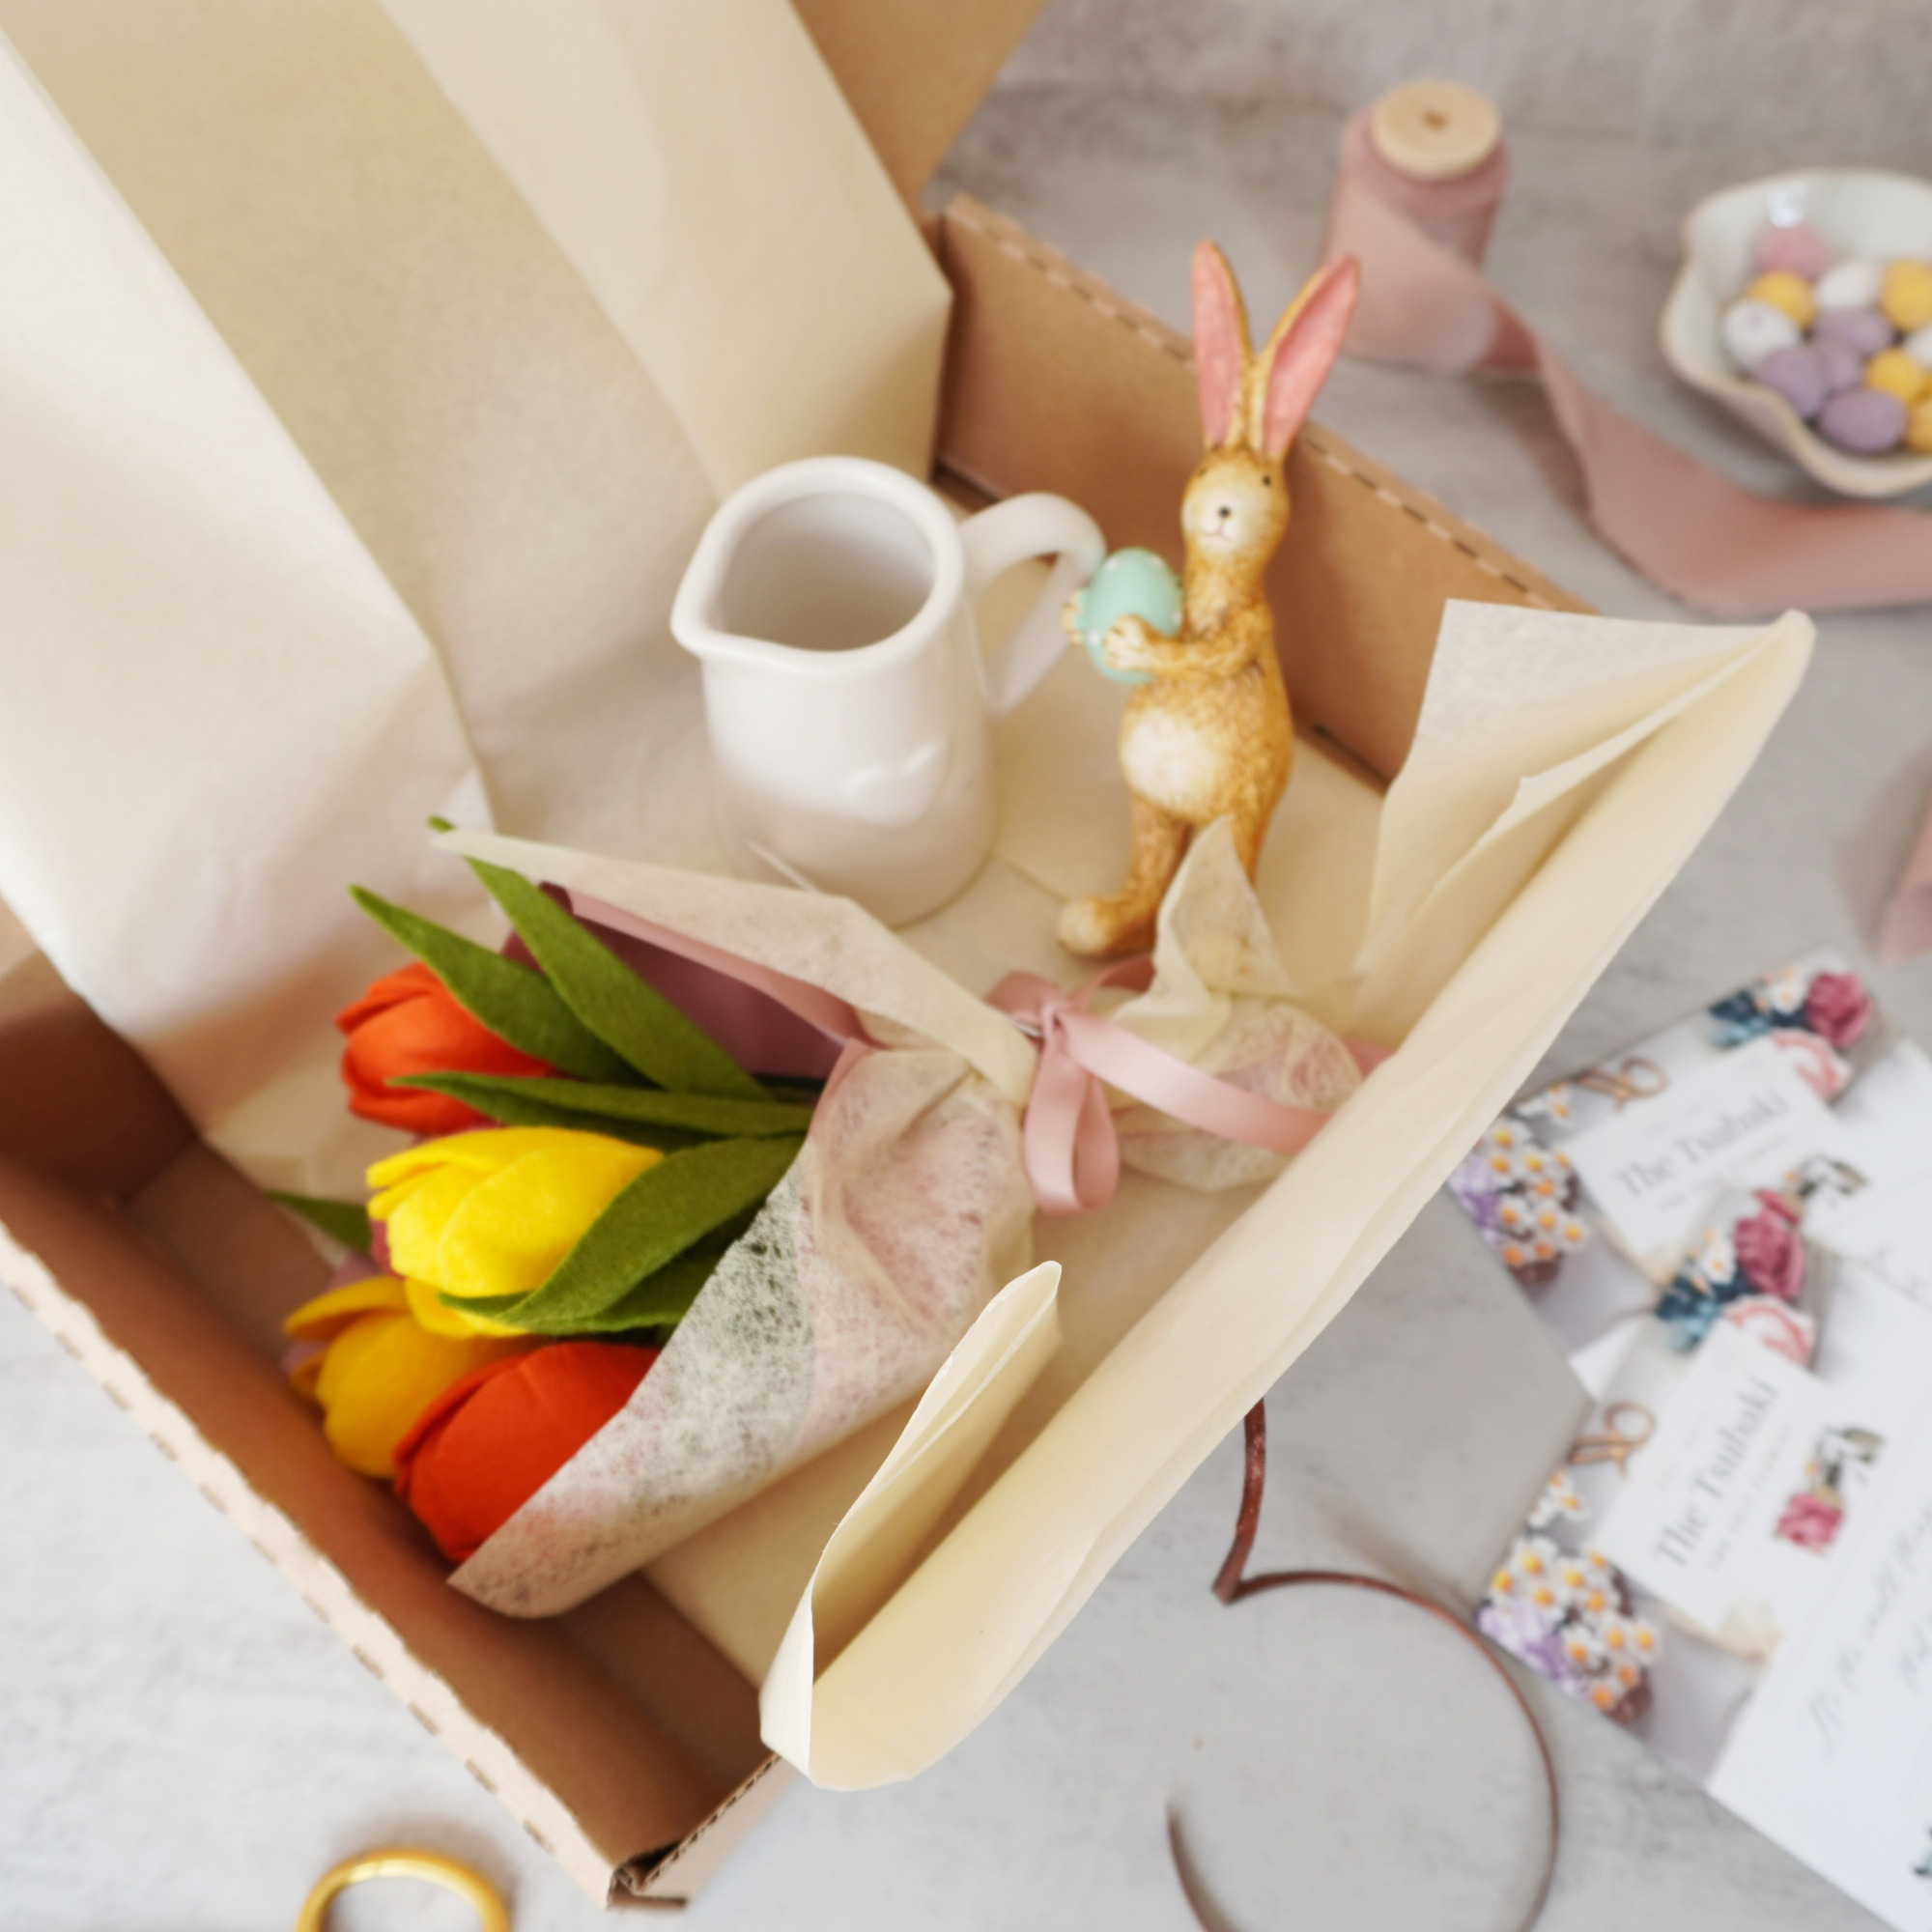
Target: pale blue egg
(1129, 583)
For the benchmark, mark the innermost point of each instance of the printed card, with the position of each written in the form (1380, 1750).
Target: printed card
(1600, 1189)
(1833, 1755)
(1752, 1469)
(1747, 1118)
(1887, 1234)
(1729, 1230)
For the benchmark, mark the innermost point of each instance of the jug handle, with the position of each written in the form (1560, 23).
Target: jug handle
(1037, 525)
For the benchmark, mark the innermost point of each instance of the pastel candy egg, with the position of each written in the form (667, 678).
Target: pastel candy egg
(1754, 329)
(1907, 295)
(1895, 372)
(1864, 421)
(1782, 289)
(1918, 427)
(1863, 331)
(1842, 367)
(1129, 583)
(1797, 376)
(1919, 346)
(1799, 250)
(1853, 284)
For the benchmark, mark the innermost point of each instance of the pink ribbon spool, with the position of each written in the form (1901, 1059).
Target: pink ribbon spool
(1433, 151)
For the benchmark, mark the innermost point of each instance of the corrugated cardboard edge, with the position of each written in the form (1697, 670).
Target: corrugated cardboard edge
(674, 1878)
(1351, 592)
(1489, 557)
(370, 1639)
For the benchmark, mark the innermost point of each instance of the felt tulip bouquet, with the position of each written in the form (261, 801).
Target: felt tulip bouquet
(619, 1281)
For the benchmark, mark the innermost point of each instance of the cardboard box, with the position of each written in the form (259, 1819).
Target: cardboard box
(621, 1740)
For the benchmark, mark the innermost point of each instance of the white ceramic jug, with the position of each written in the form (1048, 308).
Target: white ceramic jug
(831, 602)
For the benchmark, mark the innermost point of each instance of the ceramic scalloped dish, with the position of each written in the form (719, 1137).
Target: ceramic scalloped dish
(1858, 213)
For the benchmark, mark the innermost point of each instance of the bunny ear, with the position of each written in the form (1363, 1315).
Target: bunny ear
(1220, 345)
(1290, 369)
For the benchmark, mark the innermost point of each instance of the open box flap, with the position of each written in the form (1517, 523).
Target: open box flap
(914, 72)
(735, 227)
(204, 672)
(373, 410)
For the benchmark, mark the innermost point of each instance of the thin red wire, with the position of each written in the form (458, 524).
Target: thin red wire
(1233, 1584)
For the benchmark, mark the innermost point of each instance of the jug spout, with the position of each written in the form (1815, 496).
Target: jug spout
(833, 569)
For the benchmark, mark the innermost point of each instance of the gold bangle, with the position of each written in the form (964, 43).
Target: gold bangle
(401, 1862)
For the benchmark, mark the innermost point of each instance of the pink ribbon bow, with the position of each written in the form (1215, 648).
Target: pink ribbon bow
(1072, 1152)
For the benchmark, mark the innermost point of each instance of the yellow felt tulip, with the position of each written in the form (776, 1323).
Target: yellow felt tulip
(380, 1368)
(493, 1212)
(324, 1318)
(435, 1315)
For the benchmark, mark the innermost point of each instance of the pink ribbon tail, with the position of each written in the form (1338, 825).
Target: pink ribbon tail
(1906, 929)
(1680, 523)
(1072, 1152)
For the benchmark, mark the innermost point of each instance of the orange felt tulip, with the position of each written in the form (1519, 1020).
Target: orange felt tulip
(408, 1022)
(486, 1444)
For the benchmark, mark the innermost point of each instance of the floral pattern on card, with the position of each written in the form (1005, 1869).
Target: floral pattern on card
(1751, 1270)
(1840, 1465)
(1527, 1198)
(1833, 1007)
(1523, 1196)
(1567, 1612)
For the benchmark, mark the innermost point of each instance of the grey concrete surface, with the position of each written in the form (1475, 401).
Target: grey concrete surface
(183, 1745)
(1790, 80)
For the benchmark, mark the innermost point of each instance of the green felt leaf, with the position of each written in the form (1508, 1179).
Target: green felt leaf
(518, 1005)
(624, 1012)
(480, 1304)
(656, 1218)
(797, 1087)
(509, 1108)
(659, 1302)
(704, 1114)
(344, 1221)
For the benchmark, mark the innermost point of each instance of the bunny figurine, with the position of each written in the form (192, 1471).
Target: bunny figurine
(1209, 735)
